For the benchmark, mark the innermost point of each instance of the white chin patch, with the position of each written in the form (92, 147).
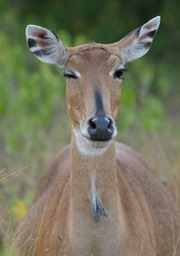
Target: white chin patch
(89, 147)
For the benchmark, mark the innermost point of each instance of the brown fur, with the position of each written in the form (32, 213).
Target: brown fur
(143, 218)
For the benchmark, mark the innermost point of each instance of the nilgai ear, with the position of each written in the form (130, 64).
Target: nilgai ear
(138, 42)
(45, 45)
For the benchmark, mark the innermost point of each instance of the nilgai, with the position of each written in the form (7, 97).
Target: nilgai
(98, 198)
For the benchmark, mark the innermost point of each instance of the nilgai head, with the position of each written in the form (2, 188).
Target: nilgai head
(94, 75)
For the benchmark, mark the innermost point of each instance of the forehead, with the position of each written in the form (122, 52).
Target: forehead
(94, 57)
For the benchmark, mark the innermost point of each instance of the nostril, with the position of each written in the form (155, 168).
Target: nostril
(110, 126)
(109, 121)
(92, 123)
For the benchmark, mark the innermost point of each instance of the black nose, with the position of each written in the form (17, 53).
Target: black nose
(100, 128)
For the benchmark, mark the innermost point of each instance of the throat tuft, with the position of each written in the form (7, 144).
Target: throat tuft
(97, 206)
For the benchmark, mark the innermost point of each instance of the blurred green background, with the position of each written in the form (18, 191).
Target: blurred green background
(33, 121)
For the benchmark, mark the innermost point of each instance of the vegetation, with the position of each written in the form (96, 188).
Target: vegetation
(34, 124)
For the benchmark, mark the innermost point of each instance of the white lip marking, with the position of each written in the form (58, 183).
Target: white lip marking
(88, 147)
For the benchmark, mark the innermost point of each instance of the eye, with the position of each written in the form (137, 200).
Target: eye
(118, 74)
(70, 75)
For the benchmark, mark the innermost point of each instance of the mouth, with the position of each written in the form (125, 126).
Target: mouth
(88, 146)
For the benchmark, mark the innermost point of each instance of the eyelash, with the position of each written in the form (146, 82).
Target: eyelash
(69, 75)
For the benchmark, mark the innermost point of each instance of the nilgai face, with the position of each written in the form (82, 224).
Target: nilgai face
(98, 198)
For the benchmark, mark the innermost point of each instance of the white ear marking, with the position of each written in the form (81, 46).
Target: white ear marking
(45, 45)
(138, 42)
(149, 29)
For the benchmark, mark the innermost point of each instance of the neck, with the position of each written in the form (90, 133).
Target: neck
(94, 202)
(94, 187)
